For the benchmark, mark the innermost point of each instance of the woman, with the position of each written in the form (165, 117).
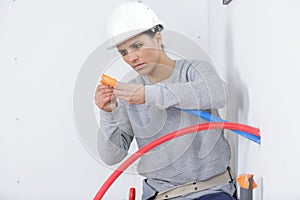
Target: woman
(193, 166)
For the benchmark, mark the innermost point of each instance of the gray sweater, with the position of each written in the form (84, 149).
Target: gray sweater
(198, 156)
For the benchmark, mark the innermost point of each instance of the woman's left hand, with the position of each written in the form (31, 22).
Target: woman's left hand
(130, 92)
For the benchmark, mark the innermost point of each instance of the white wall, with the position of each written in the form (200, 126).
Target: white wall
(43, 48)
(43, 45)
(258, 43)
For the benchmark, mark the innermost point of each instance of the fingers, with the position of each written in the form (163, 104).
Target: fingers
(121, 93)
(121, 86)
(104, 101)
(104, 97)
(130, 92)
(102, 89)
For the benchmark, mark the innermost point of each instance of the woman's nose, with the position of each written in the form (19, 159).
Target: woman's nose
(132, 57)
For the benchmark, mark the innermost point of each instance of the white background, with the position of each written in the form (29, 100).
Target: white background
(43, 45)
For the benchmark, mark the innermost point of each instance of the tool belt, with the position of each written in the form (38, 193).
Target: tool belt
(192, 187)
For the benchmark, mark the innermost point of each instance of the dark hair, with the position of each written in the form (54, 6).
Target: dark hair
(152, 31)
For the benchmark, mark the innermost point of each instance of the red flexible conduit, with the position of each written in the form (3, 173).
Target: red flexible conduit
(165, 138)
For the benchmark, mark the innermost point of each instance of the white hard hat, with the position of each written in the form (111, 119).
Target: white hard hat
(130, 19)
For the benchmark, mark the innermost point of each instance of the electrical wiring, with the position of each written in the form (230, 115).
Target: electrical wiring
(165, 138)
(212, 118)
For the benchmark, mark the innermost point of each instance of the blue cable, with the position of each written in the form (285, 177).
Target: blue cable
(212, 118)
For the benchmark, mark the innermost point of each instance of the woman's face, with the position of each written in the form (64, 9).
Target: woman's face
(142, 53)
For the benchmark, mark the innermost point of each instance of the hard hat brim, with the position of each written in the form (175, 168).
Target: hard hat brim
(121, 38)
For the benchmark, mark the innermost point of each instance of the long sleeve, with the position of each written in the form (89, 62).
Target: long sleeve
(200, 88)
(114, 136)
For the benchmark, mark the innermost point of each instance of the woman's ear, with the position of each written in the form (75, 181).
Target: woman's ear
(158, 38)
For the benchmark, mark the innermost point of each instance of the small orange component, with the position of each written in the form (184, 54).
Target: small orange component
(107, 80)
(243, 181)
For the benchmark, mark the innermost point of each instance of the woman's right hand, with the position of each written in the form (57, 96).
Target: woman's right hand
(104, 98)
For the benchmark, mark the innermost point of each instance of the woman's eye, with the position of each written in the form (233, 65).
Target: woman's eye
(137, 46)
(123, 53)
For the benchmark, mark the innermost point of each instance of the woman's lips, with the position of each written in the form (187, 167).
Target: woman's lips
(138, 66)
